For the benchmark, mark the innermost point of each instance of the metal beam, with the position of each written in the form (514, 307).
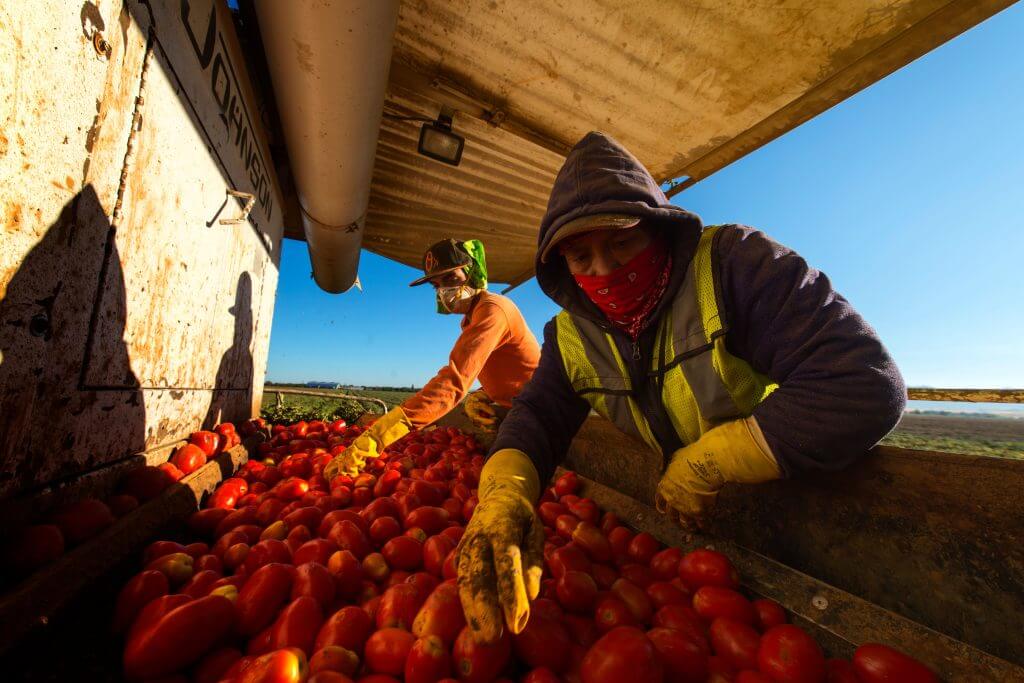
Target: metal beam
(967, 395)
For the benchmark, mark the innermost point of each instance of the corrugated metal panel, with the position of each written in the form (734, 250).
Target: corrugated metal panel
(497, 194)
(688, 87)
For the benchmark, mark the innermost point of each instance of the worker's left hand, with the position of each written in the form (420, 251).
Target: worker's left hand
(388, 428)
(730, 452)
(479, 409)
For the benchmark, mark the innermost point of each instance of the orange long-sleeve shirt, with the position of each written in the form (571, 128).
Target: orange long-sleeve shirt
(495, 346)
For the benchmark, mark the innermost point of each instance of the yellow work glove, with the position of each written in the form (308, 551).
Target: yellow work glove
(388, 428)
(478, 408)
(734, 451)
(501, 555)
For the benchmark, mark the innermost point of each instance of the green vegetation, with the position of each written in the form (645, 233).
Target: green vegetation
(294, 408)
(972, 445)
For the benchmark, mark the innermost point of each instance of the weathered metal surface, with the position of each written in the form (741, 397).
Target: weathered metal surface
(970, 395)
(687, 87)
(839, 620)
(31, 604)
(128, 316)
(935, 537)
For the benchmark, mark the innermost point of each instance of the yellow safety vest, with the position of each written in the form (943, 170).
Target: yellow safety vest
(702, 384)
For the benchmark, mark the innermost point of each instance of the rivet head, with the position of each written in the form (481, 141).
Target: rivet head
(100, 44)
(819, 602)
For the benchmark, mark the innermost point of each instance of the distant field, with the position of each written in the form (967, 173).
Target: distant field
(960, 433)
(954, 433)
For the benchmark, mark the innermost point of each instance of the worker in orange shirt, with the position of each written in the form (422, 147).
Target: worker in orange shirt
(495, 347)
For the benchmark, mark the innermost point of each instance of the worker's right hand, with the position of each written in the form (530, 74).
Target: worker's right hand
(388, 428)
(501, 555)
(479, 409)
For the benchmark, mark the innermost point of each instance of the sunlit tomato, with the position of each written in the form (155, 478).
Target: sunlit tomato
(281, 666)
(707, 568)
(262, 595)
(207, 442)
(623, 654)
(349, 628)
(876, 663)
(387, 650)
(334, 658)
(478, 662)
(441, 615)
(189, 458)
(788, 653)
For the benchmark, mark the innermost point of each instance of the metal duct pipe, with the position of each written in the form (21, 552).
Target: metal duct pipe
(329, 64)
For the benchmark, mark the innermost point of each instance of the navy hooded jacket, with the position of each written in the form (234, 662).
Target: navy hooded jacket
(839, 390)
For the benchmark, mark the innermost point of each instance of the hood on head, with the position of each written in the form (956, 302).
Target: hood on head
(600, 176)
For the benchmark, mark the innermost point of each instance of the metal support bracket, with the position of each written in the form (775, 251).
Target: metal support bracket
(250, 201)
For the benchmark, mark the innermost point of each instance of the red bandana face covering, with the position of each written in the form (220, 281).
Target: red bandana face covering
(629, 294)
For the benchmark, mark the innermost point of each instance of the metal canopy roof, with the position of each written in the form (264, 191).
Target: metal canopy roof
(688, 87)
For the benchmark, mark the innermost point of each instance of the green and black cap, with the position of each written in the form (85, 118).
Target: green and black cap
(443, 257)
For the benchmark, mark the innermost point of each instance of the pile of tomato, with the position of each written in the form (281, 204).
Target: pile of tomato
(37, 545)
(287, 578)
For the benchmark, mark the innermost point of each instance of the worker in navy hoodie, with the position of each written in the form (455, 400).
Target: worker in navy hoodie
(718, 347)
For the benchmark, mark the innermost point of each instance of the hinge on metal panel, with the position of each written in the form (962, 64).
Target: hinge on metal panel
(250, 201)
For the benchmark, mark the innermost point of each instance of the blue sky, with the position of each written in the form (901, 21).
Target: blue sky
(909, 195)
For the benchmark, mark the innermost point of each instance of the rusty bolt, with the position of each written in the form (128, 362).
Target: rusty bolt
(819, 602)
(103, 48)
(497, 117)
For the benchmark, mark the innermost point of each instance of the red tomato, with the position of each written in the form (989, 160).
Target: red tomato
(204, 522)
(291, 488)
(623, 654)
(684, 657)
(81, 521)
(681, 618)
(375, 567)
(262, 595)
(707, 568)
(265, 552)
(662, 593)
(308, 517)
(348, 536)
(612, 612)
(178, 638)
(876, 663)
(644, 547)
(313, 580)
(478, 662)
(188, 458)
(541, 675)
(297, 625)
(576, 591)
(712, 602)
(281, 666)
(140, 590)
(318, 550)
(398, 607)
(550, 512)
(201, 584)
(604, 575)
(171, 472)
(441, 615)
(751, 677)
(177, 567)
(431, 519)
(435, 550)
(769, 613)
(620, 539)
(568, 558)
(207, 442)
(567, 484)
(387, 650)
(349, 628)
(145, 483)
(736, 642)
(609, 521)
(347, 571)
(593, 542)
(788, 654)
(334, 658)
(403, 552)
(384, 529)
(212, 667)
(543, 643)
(566, 524)
(665, 565)
(582, 630)
(586, 510)
(34, 547)
(635, 598)
(428, 661)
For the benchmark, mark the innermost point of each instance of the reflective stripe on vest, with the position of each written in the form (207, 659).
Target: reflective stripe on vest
(702, 384)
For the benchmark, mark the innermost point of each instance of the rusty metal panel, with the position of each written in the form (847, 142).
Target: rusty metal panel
(971, 395)
(130, 315)
(935, 537)
(688, 87)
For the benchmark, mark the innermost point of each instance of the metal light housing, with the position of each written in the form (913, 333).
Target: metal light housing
(438, 142)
